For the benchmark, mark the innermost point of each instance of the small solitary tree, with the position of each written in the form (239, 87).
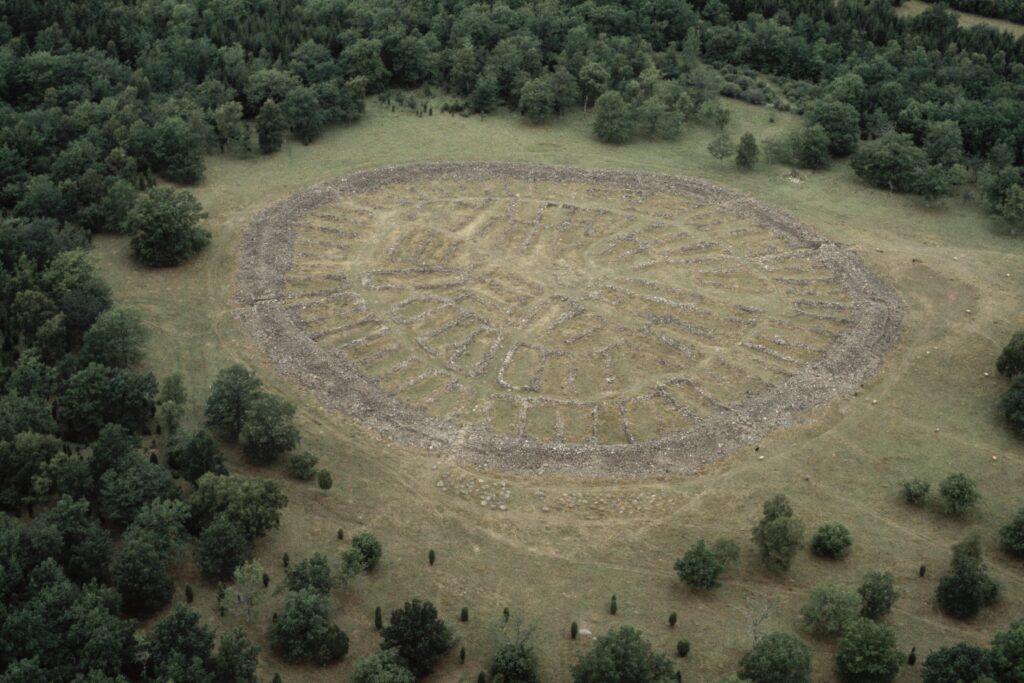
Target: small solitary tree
(699, 567)
(418, 636)
(747, 153)
(165, 223)
(247, 594)
(622, 650)
(832, 541)
(270, 127)
(302, 465)
(614, 118)
(778, 536)
(915, 491)
(867, 654)
(233, 391)
(878, 593)
(959, 494)
(777, 658)
(323, 480)
(370, 549)
(968, 587)
(830, 609)
(722, 147)
(221, 547)
(303, 633)
(268, 430)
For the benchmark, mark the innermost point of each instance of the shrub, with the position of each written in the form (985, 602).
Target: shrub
(378, 618)
(867, 654)
(431, 557)
(464, 615)
(672, 618)
(777, 658)
(324, 480)
(778, 535)
(699, 568)
(878, 594)
(369, 548)
(613, 608)
(418, 636)
(302, 465)
(1011, 360)
(959, 493)
(830, 609)
(574, 630)
(683, 648)
(915, 491)
(832, 541)
(1012, 535)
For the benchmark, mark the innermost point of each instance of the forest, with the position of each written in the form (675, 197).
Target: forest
(107, 107)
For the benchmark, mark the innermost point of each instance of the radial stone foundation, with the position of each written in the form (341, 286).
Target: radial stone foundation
(543, 319)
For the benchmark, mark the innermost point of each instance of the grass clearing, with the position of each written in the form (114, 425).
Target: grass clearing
(552, 567)
(912, 8)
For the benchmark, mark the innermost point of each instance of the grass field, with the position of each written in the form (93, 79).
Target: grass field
(912, 8)
(930, 412)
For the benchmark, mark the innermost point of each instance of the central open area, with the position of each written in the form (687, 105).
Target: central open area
(558, 319)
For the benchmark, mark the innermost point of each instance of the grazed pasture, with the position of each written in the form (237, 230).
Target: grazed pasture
(562, 547)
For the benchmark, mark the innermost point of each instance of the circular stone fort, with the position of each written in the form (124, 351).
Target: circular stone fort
(559, 320)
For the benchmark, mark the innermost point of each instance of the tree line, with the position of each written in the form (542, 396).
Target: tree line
(100, 97)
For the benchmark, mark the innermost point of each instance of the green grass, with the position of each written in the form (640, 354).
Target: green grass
(551, 568)
(912, 8)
